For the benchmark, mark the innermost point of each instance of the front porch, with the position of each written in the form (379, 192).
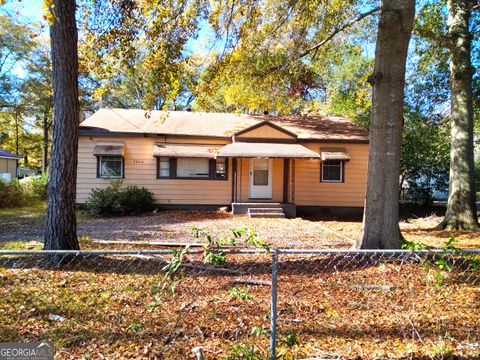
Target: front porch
(263, 187)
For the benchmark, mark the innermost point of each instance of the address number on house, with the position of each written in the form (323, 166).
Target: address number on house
(137, 162)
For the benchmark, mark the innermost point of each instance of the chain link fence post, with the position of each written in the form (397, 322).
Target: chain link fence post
(273, 309)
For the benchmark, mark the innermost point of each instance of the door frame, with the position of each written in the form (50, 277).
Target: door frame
(250, 179)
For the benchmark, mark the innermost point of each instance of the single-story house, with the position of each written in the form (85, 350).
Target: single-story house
(251, 163)
(8, 165)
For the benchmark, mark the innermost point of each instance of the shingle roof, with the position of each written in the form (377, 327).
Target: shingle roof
(9, 155)
(218, 124)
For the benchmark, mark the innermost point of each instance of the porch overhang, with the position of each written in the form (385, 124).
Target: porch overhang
(184, 150)
(267, 150)
(109, 149)
(335, 154)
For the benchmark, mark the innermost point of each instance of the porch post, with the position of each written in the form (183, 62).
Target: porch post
(234, 180)
(286, 180)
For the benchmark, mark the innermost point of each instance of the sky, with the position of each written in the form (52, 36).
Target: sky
(27, 10)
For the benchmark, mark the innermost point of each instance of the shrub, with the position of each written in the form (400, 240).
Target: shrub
(36, 186)
(12, 194)
(115, 200)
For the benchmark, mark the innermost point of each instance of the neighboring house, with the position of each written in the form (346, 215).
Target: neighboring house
(198, 160)
(8, 165)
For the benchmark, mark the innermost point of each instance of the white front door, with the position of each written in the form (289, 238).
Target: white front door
(260, 178)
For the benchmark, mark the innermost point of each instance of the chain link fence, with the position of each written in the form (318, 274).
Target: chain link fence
(289, 304)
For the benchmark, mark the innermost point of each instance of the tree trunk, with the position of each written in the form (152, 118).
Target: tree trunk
(16, 131)
(60, 225)
(45, 142)
(380, 228)
(461, 208)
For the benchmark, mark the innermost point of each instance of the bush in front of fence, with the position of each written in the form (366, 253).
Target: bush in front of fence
(11, 194)
(23, 192)
(118, 200)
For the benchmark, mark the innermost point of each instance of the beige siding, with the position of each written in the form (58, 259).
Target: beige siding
(306, 188)
(8, 166)
(310, 191)
(244, 180)
(265, 131)
(140, 170)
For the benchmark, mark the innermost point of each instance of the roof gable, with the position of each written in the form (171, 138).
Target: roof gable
(265, 130)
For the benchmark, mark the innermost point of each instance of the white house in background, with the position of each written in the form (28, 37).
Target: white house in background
(8, 165)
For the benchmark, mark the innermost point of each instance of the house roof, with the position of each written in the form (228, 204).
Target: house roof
(8, 155)
(222, 125)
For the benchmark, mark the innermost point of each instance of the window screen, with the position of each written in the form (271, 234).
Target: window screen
(110, 167)
(332, 171)
(221, 168)
(260, 172)
(164, 167)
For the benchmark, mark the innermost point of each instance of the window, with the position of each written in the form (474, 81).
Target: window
(110, 167)
(221, 168)
(332, 171)
(192, 168)
(164, 167)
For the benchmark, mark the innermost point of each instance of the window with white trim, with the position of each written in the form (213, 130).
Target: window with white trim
(110, 167)
(332, 171)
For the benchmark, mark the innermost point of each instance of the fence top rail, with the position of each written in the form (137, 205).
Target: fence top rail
(134, 252)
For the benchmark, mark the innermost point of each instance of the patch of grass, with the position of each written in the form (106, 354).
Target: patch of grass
(13, 218)
(21, 245)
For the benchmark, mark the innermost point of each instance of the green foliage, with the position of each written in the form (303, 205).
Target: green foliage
(36, 186)
(425, 158)
(213, 250)
(12, 194)
(25, 192)
(439, 265)
(410, 245)
(290, 339)
(171, 275)
(135, 327)
(244, 351)
(139, 49)
(240, 292)
(15, 44)
(115, 200)
(259, 331)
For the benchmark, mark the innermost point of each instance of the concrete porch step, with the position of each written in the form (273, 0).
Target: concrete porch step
(247, 208)
(265, 210)
(267, 215)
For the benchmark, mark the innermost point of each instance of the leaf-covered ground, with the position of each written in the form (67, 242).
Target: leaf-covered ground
(24, 227)
(336, 306)
(110, 307)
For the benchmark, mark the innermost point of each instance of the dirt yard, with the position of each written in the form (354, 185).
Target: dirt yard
(26, 226)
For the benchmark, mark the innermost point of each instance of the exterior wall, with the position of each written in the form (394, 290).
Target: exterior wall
(140, 170)
(305, 188)
(8, 166)
(309, 191)
(265, 131)
(244, 180)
